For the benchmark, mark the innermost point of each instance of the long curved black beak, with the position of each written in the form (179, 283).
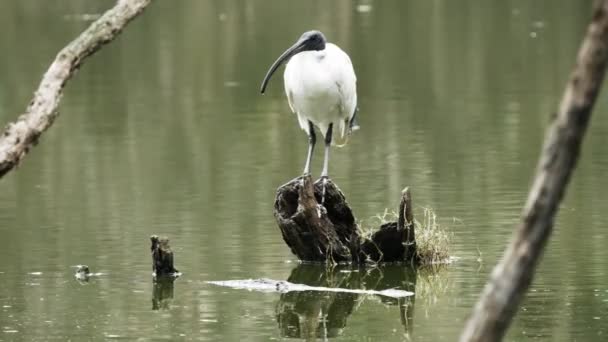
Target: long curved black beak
(294, 49)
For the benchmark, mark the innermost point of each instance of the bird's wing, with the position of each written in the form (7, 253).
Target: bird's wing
(346, 82)
(291, 84)
(290, 99)
(289, 92)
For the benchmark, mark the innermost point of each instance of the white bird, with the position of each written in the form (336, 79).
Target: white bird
(321, 89)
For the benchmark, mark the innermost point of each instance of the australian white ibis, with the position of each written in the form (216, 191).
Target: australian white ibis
(321, 89)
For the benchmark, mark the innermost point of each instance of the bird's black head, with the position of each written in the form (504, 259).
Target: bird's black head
(312, 41)
(309, 41)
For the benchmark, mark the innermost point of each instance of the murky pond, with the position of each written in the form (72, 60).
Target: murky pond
(164, 132)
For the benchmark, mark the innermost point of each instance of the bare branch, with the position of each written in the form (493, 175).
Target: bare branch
(513, 274)
(20, 136)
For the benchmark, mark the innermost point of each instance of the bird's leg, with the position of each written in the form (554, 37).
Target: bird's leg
(324, 173)
(312, 139)
(328, 135)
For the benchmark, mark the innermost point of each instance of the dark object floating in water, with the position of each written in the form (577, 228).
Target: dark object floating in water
(162, 258)
(281, 286)
(82, 272)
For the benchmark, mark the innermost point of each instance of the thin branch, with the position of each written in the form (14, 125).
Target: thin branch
(20, 136)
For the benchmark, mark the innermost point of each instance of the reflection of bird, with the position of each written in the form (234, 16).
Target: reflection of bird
(320, 85)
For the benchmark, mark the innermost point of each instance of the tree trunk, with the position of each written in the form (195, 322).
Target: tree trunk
(23, 134)
(513, 274)
(319, 226)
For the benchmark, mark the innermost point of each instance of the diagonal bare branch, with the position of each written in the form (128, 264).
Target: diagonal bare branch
(20, 136)
(513, 274)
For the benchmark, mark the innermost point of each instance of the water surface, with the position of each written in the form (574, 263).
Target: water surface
(164, 132)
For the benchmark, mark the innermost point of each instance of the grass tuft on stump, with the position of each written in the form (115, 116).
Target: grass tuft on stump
(432, 239)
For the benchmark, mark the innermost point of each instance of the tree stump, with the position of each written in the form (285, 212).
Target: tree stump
(162, 257)
(318, 226)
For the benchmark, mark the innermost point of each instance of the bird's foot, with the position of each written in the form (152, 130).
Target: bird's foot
(303, 176)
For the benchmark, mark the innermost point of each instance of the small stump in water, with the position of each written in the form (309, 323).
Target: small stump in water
(163, 272)
(162, 257)
(319, 226)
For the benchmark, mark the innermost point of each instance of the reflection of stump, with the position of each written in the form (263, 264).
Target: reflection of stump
(162, 257)
(328, 232)
(162, 292)
(318, 314)
(308, 314)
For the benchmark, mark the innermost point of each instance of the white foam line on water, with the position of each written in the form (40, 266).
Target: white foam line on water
(269, 285)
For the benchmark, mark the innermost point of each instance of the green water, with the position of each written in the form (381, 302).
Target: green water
(164, 132)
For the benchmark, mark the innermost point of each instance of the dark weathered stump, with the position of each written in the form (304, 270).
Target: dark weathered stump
(316, 232)
(394, 241)
(162, 257)
(319, 226)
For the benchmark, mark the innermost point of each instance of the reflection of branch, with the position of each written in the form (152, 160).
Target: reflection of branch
(23, 134)
(406, 313)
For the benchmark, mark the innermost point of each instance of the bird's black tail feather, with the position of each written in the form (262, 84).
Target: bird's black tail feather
(354, 124)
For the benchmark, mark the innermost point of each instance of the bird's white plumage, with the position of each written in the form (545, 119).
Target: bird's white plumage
(321, 88)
